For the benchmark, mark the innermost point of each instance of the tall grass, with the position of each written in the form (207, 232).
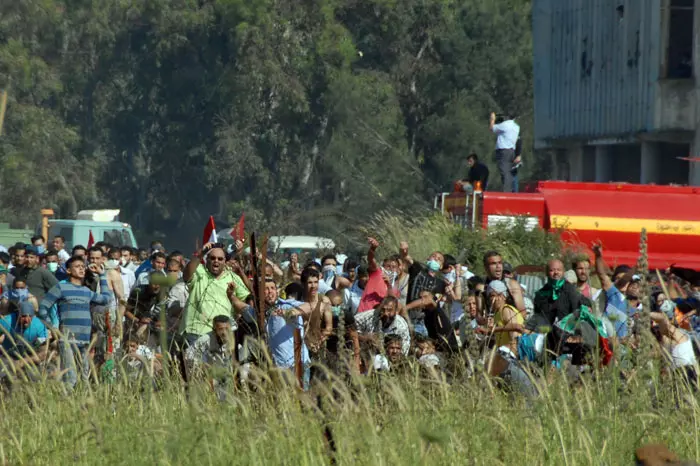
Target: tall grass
(392, 420)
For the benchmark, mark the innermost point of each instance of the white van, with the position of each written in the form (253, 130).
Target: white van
(311, 244)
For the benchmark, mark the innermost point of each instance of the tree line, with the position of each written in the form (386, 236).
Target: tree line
(309, 116)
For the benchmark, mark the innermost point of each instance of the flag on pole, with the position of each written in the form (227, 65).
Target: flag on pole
(91, 240)
(209, 235)
(238, 233)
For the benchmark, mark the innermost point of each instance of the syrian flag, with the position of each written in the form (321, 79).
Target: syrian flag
(209, 235)
(238, 233)
(91, 240)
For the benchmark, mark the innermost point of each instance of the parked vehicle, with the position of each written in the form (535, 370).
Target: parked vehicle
(311, 244)
(11, 236)
(104, 225)
(613, 213)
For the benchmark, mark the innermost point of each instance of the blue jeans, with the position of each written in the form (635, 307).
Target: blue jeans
(515, 181)
(73, 358)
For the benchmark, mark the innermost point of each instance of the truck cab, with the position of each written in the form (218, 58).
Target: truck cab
(104, 225)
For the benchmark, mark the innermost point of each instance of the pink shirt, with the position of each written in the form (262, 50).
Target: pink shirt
(375, 291)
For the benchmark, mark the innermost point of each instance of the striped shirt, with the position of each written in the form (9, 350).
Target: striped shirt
(75, 319)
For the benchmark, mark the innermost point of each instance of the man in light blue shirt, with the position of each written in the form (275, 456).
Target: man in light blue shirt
(507, 132)
(281, 318)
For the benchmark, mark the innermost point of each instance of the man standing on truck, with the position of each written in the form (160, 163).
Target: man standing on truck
(507, 132)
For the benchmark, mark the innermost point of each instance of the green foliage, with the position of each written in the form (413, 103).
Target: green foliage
(310, 117)
(515, 242)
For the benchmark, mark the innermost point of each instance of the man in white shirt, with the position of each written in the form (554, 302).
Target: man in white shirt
(507, 132)
(59, 244)
(128, 279)
(126, 259)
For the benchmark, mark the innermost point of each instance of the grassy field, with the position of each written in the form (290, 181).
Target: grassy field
(407, 421)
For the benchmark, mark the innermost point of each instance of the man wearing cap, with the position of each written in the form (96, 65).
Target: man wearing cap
(39, 279)
(24, 337)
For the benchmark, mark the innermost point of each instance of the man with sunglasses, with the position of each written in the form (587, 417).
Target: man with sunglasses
(207, 284)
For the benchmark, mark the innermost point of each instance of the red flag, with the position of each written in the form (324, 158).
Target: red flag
(209, 235)
(238, 233)
(91, 240)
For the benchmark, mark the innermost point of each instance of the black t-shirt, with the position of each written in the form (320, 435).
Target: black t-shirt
(420, 280)
(479, 172)
(143, 302)
(547, 310)
(440, 330)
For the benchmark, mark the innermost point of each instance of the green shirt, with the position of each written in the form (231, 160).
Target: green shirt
(208, 299)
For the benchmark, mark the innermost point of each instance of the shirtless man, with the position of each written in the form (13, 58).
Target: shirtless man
(116, 307)
(317, 312)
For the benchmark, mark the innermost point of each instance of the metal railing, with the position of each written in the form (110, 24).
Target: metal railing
(464, 211)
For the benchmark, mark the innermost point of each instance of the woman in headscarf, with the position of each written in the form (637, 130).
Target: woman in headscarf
(506, 326)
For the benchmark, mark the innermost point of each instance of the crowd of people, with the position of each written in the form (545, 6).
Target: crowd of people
(110, 312)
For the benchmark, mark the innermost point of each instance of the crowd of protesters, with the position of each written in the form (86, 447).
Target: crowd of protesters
(110, 312)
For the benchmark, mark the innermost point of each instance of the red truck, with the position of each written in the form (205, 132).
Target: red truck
(613, 213)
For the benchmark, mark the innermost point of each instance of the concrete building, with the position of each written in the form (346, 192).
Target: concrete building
(617, 89)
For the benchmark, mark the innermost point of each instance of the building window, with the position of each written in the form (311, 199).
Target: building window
(679, 48)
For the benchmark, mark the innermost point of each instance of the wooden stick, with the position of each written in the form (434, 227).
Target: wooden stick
(259, 304)
(108, 331)
(663, 284)
(298, 367)
(261, 287)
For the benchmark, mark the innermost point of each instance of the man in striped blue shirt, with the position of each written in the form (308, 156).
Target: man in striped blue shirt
(73, 300)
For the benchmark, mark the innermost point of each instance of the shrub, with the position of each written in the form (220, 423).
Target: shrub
(429, 233)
